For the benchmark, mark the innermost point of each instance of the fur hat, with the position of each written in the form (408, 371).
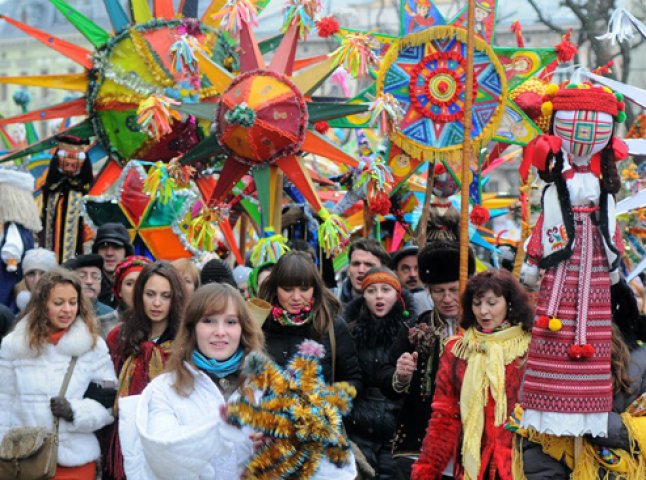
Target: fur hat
(38, 259)
(402, 253)
(80, 261)
(16, 200)
(113, 234)
(18, 179)
(625, 314)
(217, 271)
(439, 262)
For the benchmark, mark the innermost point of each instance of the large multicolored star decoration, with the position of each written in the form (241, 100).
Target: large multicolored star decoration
(264, 120)
(298, 411)
(165, 213)
(424, 70)
(151, 219)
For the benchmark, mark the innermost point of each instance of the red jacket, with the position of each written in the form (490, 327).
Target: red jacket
(444, 433)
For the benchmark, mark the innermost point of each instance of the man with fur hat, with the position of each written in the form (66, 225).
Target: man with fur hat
(414, 356)
(404, 264)
(19, 220)
(89, 268)
(112, 243)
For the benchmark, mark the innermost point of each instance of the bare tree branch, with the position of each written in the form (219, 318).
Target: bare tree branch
(577, 10)
(544, 20)
(632, 47)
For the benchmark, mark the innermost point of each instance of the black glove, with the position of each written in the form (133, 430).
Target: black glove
(105, 396)
(61, 408)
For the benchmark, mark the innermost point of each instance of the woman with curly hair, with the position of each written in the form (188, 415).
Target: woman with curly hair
(140, 346)
(478, 384)
(57, 326)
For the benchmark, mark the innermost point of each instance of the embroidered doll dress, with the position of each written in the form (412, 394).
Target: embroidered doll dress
(567, 388)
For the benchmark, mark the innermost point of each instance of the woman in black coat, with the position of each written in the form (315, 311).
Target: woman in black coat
(304, 309)
(374, 320)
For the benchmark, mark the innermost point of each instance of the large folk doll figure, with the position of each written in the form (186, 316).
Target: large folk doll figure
(68, 179)
(568, 385)
(19, 220)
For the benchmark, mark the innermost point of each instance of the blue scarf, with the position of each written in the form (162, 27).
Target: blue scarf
(217, 368)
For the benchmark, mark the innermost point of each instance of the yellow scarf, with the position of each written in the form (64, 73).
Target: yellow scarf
(486, 355)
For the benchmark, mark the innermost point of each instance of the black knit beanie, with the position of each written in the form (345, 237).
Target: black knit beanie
(217, 271)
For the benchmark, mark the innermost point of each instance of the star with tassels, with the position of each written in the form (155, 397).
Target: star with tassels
(264, 119)
(150, 211)
(298, 412)
(131, 77)
(424, 70)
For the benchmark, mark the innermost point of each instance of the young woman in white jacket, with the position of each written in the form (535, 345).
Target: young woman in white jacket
(175, 428)
(57, 324)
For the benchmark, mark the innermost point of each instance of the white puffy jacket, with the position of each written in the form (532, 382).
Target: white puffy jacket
(29, 380)
(166, 436)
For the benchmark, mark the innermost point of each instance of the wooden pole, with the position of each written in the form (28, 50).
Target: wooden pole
(467, 149)
(423, 222)
(244, 225)
(525, 190)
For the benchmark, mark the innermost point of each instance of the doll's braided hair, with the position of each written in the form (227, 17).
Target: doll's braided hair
(610, 180)
(553, 167)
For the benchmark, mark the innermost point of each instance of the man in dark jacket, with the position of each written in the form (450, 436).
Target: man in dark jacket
(112, 242)
(363, 255)
(413, 359)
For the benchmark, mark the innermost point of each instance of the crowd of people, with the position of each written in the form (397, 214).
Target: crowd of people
(159, 349)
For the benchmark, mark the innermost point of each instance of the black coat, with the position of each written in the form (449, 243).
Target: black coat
(372, 422)
(416, 408)
(281, 343)
(6, 321)
(538, 465)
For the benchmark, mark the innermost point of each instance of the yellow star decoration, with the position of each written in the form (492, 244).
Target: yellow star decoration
(298, 411)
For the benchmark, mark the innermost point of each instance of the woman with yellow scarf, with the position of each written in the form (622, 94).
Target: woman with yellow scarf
(478, 384)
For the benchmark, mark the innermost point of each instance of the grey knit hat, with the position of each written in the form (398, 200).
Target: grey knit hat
(38, 259)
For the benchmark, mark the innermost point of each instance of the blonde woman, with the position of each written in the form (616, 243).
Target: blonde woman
(175, 428)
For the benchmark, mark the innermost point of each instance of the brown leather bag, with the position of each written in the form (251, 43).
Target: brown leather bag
(30, 453)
